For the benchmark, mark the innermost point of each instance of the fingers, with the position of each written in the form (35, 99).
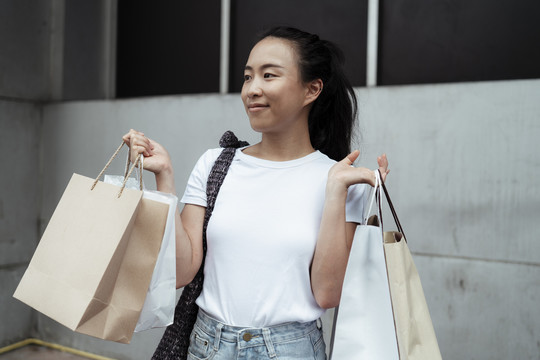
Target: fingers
(128, 136)
(141, 144)
(382, 161)
(343, 172)
(383, 166)
(365, 175)
(351, 158)
(138, 144)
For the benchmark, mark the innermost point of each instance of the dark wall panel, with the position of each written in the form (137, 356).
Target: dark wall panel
(426, 41)
(343, 22)
(83, 50)
(168, 47)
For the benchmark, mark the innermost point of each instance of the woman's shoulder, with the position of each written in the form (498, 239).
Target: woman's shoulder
(207, 159)
(212, 154)
(323, 160)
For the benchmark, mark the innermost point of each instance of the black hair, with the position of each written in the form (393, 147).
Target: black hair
(333, 114)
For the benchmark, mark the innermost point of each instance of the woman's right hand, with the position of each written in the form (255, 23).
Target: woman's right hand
(156, 157)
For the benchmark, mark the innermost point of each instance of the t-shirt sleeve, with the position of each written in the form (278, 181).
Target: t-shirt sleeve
(195, 192)
(357, 200)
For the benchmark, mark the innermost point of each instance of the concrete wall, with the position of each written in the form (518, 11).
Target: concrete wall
(20, 127)
(465, 182)
(89, 43)
(37, 65)
(464, 165)
(25, 29)
(57, 49)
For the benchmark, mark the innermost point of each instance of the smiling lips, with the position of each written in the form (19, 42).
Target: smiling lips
(257, 107)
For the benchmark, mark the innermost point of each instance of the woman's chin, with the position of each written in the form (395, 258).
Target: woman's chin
(259, 126)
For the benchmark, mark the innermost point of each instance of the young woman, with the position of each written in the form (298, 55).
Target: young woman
(282, 227)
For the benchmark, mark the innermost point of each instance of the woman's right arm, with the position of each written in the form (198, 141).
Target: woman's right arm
(189, 223)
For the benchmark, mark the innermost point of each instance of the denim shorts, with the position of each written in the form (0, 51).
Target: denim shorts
(211, 339)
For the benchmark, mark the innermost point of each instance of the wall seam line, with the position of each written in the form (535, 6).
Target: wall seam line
(472, 258)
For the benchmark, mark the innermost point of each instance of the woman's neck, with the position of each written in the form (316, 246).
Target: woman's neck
(283, 146)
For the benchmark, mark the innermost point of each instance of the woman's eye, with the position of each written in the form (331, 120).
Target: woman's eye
(267, 75)
(247, 77)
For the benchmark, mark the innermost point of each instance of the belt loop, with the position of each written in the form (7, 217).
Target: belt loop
(217, 337)
(268, 342)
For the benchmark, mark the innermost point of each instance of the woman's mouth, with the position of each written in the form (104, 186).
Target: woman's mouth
(256, 107)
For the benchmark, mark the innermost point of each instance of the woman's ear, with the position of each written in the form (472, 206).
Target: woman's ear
(314, 89)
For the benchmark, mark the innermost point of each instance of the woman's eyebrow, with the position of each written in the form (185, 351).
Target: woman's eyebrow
(265, 66)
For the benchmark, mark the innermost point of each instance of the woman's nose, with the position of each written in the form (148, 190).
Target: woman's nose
(254, 88)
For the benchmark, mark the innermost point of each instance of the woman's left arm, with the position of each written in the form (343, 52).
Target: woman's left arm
(335, 234)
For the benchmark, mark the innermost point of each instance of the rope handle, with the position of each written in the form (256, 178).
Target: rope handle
(140, 161)
(127, 173)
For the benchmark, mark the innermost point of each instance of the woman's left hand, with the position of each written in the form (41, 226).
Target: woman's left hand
(344, 174)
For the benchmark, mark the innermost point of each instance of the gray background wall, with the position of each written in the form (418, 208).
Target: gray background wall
(464, 174)
(25, 33)
(34, 56)
(19, 210)
(463, 180)
(25, 49)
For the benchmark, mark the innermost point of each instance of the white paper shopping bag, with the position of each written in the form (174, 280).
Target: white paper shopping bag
(363, 322)
(158, 308)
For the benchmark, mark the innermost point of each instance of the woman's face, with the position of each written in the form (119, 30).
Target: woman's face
(274, 96)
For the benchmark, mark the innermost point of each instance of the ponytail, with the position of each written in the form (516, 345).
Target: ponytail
(333, 114)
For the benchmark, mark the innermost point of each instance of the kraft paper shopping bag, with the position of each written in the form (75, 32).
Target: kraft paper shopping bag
(160, 301)
(134, 275)
(84, 241)
(84, 273)
(415, 334)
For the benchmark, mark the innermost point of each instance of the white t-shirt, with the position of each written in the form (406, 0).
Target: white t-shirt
(261, 237)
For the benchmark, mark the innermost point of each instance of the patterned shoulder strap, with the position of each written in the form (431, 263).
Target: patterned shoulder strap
(175, 341)
(230, 143)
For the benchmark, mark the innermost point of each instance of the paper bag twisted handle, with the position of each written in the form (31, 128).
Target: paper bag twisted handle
(127, 175)
(140, 162)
